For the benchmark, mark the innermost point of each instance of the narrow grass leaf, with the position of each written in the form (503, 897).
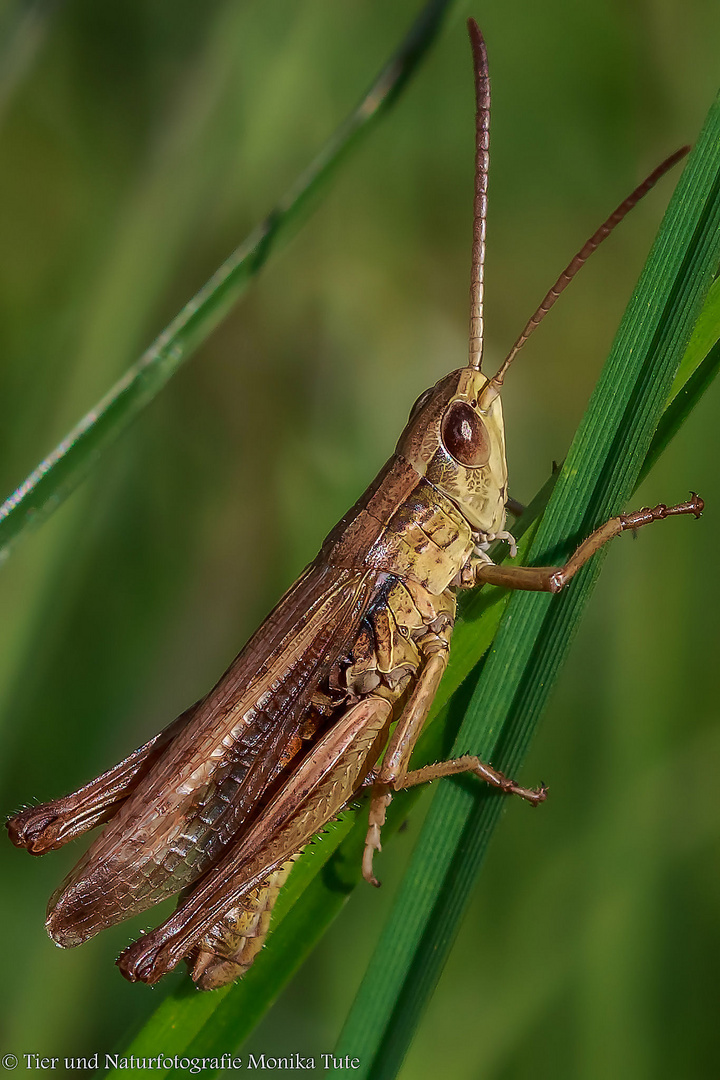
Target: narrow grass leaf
(62, 470)
(697, 370)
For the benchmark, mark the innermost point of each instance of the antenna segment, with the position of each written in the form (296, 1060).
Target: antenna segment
(583, 255)
(482, 158)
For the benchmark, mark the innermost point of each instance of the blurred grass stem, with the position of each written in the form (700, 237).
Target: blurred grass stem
(54, 479)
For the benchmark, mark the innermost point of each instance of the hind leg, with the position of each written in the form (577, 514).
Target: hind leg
(226, 951)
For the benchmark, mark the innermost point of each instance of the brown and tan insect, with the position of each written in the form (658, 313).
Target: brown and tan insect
(218, 805)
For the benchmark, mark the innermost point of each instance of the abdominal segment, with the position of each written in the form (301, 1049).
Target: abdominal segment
(226, 951)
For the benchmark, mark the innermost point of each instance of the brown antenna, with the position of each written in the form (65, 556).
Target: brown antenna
(583, 255)
(482, 158)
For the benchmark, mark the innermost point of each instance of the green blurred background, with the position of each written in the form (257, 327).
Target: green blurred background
(139, 142)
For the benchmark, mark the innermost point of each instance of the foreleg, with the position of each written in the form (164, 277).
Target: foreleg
(554, 578)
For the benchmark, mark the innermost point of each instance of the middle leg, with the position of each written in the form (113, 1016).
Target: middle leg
(393, 774)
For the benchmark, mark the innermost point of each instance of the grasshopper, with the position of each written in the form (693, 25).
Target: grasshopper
(219, 804)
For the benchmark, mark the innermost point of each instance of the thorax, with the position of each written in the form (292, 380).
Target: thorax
(404, 526)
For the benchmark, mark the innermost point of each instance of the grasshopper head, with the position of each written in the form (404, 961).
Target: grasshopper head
(455, 438)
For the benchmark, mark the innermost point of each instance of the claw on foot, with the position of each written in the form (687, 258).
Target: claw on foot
(372, 844)
(532, 795)
(695, 506)
(538, 795)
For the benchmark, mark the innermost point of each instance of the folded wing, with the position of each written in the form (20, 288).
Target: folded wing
(223, 766)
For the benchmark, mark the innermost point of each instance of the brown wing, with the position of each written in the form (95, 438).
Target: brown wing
(315, 793)
(212, 778)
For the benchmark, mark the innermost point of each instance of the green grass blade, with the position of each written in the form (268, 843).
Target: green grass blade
(697, 370)
(599, 475)
(200, 1024)
(64, 468)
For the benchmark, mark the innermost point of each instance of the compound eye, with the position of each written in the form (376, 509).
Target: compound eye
(465, 436)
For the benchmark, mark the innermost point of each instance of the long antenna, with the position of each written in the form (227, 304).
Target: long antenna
(583, 255)
(482, 158)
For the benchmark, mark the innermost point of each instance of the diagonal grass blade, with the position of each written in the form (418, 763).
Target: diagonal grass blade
(64, 468)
